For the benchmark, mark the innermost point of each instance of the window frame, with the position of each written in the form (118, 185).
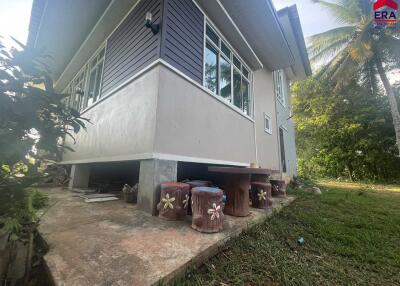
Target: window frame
(230, 60)
(269, 128)
(280, 86)
(86, 69)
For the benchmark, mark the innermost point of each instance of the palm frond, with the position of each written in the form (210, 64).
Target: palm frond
(350, 14)
(322, 40)
(321, 56)
(391, 45)
(327, 70)
(360, 48)
(345, 72)
(368, 78)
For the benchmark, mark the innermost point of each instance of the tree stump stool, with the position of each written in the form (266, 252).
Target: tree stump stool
(278, 188)
(193, 184)
(261, 195)
(207, 209)
(237, 188)
(174, 200)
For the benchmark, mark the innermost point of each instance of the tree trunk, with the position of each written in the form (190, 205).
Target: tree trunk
(392, 101)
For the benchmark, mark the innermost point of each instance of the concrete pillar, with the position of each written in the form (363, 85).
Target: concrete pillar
(152, 173)
(79, 177)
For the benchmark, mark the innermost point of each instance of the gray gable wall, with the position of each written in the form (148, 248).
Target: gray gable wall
(182, 38)
(132, 46)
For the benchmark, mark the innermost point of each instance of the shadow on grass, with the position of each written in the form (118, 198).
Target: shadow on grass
(351, 238)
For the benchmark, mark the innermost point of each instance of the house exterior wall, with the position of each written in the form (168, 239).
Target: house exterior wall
(264, 97)
(182, 44)
(122, 126)
(132, 46)
(283, 114)
(165, 111)
(193, 123)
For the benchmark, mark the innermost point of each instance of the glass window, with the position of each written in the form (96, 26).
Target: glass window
(91, 90)
(225, 79)
(279, 81)
(76, 89)
(98, 80)
(237, 89)
(267, 123)
(225, 75)
(236, 62)
(211, 72)
(245, 72)
(95, 74)
(212, 35)
(246, 97)
(225, 50)
(85, 87)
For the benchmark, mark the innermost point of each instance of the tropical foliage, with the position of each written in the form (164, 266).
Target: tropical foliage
(346, 134)
(359, 50)
(33, 121)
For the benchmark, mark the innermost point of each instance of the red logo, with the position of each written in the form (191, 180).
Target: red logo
(385, 3)
(385, 11)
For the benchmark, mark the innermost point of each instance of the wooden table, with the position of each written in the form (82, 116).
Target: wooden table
(236, 186)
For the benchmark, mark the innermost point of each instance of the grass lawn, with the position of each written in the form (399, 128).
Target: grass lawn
(351, 233)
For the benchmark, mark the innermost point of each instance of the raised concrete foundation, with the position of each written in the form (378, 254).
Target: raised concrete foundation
(152, 173)
(79, 176)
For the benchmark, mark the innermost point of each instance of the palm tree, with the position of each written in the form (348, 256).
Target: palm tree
(358, 49)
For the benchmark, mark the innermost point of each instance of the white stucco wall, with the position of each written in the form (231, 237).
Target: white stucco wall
(122, 126)
(193, 123)
(267, 144)
(283, 119)
(161, 114)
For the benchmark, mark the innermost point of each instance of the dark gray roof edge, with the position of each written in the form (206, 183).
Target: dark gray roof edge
(295, 21)
(38, 7)
(276, 17)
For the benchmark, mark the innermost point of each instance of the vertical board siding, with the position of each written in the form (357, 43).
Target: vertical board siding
(183, 36)
(132, 46)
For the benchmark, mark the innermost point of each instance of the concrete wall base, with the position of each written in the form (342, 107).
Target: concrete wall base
(79, 176)
(152, 173)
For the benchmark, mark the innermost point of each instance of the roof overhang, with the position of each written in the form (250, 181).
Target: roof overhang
(300, 68)
(259, 24)
(70, 31)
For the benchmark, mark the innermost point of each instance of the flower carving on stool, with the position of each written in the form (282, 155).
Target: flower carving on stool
(214, 211)
(262, 196)
(185, 202)
(168, 202)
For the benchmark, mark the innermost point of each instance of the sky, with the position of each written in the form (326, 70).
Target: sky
(14, 20)
(313, 17)
(14, 17)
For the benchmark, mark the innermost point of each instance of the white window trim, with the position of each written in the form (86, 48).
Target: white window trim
(86, 80)
(284, 128)
(267, 130)
(249, 79)
(280, 74)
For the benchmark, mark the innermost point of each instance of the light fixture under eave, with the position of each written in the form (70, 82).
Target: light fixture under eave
(150, 24)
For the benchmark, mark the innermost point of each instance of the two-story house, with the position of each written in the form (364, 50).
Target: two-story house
(169, 85)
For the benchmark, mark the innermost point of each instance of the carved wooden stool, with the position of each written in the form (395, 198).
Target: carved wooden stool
(174, 200)
(193, 184)
(207, 209)
(278, 188)
(261, 195)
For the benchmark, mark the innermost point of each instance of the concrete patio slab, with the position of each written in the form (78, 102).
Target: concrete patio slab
(114, 243)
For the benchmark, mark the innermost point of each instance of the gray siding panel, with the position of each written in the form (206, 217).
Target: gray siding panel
(132, 46)
(183, 36)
